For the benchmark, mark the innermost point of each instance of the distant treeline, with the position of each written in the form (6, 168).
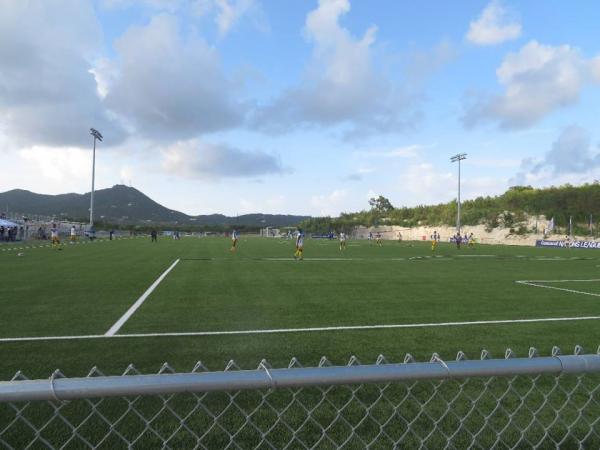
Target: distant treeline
(146, 228)
(509, 210)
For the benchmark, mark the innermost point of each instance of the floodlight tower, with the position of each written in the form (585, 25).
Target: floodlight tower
(97, 136)
(458, 158)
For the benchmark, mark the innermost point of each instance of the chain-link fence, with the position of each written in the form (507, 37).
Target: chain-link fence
(543, 402)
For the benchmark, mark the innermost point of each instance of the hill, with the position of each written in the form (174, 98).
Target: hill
(127, 205)
(509, 210)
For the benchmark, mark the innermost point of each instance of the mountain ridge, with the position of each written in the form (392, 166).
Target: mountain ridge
(127, 205)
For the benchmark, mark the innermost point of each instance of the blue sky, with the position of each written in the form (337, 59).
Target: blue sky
(307, 107)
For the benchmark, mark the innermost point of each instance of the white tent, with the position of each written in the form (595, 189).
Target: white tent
(7, 224)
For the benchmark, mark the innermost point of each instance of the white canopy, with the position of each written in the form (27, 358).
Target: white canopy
(7, 223)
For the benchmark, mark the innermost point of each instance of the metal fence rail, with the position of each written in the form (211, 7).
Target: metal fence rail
(491, 403)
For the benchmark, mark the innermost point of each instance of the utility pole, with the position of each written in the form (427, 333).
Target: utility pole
(570, 226)
(97, 136)
(458, 158)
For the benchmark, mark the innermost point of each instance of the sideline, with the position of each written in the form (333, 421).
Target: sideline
(300, 330)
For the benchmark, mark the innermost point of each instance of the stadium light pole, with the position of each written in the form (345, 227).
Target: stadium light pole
(458, 158)
(97, 136)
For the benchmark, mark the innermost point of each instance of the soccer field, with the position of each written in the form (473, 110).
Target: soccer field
(112, 303)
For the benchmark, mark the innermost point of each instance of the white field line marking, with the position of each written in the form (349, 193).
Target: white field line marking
(314, 259)
(536, 283)
(119, 323)
(557, 281)
(300, 330)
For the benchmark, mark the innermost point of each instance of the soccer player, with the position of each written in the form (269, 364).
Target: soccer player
(54, 236)
(153, 236)
(73, 233)
(434, 241)
(471, 240)
(299, 254)
(458, 239)
(342, 241)
(234, 241)
(378, 240)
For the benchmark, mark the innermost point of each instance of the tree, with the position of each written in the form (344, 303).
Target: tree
(381, 204)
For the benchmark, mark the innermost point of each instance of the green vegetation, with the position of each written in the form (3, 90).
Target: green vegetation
(509, 210)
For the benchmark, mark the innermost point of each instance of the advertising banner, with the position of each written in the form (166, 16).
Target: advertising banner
(572, 244)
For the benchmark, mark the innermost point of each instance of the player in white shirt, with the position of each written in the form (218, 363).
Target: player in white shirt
(234, 241)
(299, 254)
(73, 234)
(342, 241)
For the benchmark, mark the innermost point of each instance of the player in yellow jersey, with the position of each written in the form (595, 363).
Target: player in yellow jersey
(471, 241)
(234, 241)
(299, 254)
(378, 240)
(73, 233)
(435, 240)
(54, 237)
(342, 241)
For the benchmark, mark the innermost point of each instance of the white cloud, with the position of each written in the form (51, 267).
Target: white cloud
(47, 94)
(202, 8)
(59, 166)
(571, 154)
(537, 80)
(269, 204)
(59, 170)
(428, 185)
(230, 12)
(494, 26)
(246, 206)
(126, 174)
(359, 174)
(330, 204)
(160, 5)
(227, 13)
(203, 161)
(424, 183)
(276, 202)
(494, 162)
(409, 151)
(420, 63)
(595, 68)
(170, 86)
(341, 85)
(105, 73)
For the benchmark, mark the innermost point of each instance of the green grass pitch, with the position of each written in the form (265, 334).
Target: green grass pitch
(85, 289)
